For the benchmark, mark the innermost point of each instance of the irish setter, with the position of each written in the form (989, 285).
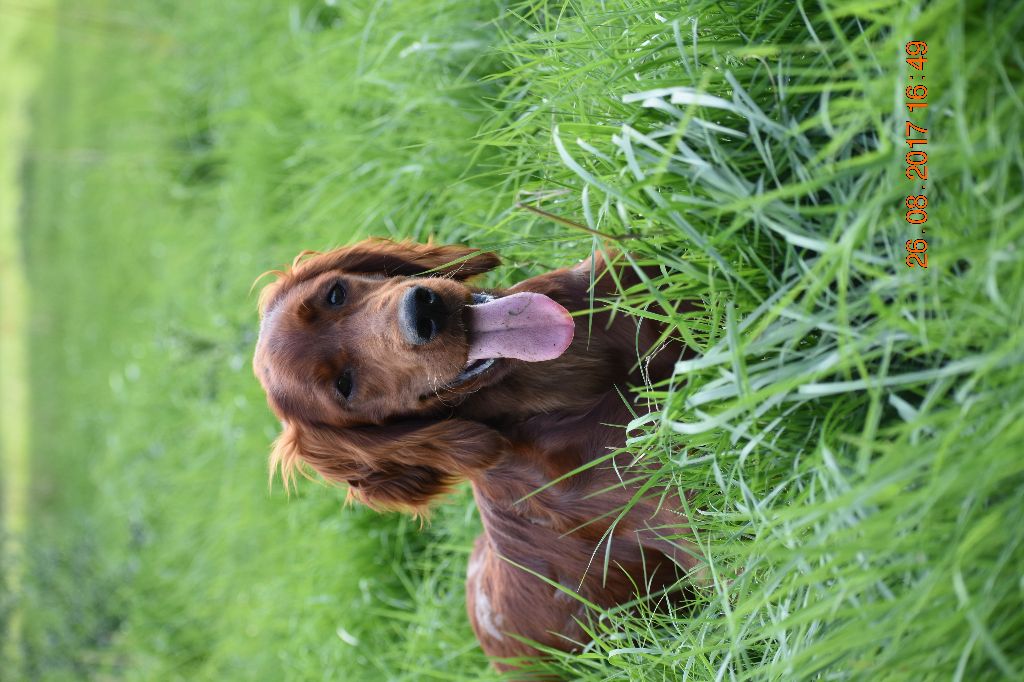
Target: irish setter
(393, 375)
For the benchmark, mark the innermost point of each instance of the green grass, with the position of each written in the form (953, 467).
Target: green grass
(20, 49)
(852, 426)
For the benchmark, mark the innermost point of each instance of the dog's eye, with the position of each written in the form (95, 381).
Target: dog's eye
(344, 384)
(336, 294)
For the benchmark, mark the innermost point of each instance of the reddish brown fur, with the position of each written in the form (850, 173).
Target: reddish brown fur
(407, 437)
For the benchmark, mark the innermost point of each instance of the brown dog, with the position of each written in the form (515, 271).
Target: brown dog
(393, 376)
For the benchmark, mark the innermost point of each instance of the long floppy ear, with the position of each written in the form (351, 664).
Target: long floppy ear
(400, 467)
(399, 259)
(381, 256)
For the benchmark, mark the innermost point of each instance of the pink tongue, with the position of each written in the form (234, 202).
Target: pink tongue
(525, 326)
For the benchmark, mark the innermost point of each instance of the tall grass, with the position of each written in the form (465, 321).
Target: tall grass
(851, 425)
(179, 152)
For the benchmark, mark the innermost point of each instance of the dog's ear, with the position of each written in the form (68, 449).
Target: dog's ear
(288, 457)
(397, 467)
(390, 258)
(380, 256)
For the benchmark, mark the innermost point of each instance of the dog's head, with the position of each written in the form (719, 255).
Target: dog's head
(361, 351)
(361, 334)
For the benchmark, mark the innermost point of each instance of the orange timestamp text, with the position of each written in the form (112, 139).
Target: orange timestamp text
(917, 158)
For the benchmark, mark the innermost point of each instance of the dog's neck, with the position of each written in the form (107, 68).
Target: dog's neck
(602, 357)
(563, 427)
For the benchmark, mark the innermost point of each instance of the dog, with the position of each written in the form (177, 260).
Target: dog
(392, 375)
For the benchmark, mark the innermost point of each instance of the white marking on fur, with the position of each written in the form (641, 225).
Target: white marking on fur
(486, 618)
(473, 568)
(542, 521)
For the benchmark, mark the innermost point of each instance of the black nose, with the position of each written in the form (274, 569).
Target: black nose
(422, 315)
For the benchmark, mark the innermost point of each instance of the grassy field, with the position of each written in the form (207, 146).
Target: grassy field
(852, 426)
(21, 50)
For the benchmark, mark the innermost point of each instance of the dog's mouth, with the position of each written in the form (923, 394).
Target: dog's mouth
(475, 368)
(478, 366)
(525, 326)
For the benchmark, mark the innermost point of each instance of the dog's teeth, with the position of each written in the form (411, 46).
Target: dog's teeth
(472, 369)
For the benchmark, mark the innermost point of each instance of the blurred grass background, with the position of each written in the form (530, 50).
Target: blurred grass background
(852, 426)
